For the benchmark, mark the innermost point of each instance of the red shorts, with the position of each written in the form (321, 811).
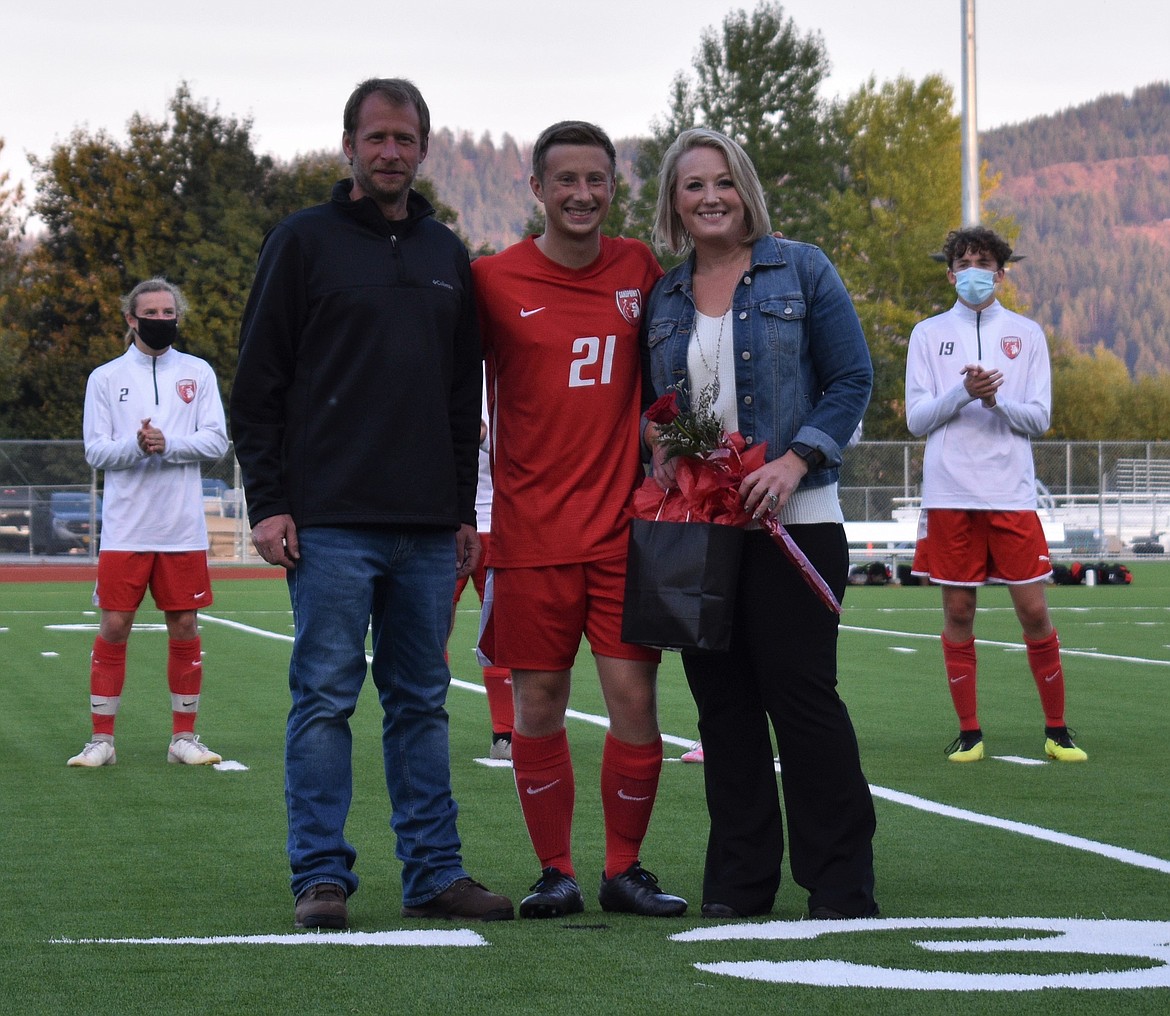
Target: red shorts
(961, 547)
(178, 580)
(534, 618)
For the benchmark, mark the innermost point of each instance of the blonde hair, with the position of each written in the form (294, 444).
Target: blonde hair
(156, 285)
(669, 233)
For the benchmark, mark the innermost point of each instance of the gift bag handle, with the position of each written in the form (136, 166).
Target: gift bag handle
(658, 515)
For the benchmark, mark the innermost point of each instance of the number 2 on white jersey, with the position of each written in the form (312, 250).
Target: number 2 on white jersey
(589, 348)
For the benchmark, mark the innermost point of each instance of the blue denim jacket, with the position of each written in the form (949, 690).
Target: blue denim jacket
(802, 367)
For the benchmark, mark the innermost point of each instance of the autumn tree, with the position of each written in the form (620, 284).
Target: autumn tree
(1148, 413)
(1094, 399)
(1089, 393)
(901, 195)
(11, 232)
(755, 79)
(186, 197)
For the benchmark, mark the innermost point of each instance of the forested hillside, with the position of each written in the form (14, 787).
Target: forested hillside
(487, 184)
(1090, 190)
(873, 178)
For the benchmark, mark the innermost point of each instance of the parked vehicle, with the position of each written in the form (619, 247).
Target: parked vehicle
(220, 499)
(15, 508)
(67, 520)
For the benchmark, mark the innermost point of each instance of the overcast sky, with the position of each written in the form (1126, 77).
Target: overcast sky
(517, 65)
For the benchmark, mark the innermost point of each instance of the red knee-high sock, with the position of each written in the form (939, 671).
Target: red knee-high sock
(498, 682)
(959, 661)
(629, 784)
(1044, 661)
(107, 675)
(547, 789)
(185, 678)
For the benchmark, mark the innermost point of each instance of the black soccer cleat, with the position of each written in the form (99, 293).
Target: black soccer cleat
(554, 894)
(636, 891)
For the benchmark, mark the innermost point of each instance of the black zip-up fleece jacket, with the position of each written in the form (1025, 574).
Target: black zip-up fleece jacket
(357, 396)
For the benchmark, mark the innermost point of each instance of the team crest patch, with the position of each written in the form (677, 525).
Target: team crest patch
(186, 389)
(1011, 346)
(629, 302)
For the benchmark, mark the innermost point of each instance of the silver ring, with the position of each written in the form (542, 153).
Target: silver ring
(773, 497)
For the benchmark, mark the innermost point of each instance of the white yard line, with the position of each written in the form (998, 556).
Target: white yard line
(1121, 854)
(1064, 651)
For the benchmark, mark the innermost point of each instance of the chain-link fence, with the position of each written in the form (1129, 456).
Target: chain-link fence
(50, 503)
(1107, 498)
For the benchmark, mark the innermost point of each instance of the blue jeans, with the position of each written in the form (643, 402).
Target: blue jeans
(398, 584)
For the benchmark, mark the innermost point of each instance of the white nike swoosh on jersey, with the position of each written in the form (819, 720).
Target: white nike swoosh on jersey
(538, 790)
(529, 313)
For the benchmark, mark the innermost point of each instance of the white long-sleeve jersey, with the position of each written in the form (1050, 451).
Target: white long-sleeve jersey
(153, 502)
(483, 492)
(978, 458)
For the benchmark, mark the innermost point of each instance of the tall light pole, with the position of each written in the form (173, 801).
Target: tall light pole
(970, 142)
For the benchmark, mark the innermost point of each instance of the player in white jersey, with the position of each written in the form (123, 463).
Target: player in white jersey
(978, 387)
(152, 416)
(497, 681)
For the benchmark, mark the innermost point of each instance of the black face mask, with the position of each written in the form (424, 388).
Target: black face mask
(158, 333)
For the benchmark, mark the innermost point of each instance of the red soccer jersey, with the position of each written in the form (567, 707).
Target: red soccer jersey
(564, 387)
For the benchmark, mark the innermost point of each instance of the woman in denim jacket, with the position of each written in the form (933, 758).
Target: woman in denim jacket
(765, 326)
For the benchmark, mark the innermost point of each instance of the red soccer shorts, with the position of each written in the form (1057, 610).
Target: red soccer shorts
(961, 547)
(534, 617)
(178, 580)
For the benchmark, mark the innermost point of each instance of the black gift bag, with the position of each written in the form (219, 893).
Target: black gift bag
(680, 584)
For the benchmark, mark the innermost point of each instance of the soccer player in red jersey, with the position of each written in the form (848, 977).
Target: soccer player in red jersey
(560, 315)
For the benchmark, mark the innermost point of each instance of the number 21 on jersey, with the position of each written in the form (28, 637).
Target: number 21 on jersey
(590, 352)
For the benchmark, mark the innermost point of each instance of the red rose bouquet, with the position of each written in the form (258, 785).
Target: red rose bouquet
(710, 466)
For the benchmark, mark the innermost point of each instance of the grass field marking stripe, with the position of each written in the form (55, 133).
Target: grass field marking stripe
(1131, 857)
(239, 626)
(251, 629)
(1090, 654)
(599, 721)
(1104, 849)
(1095, 655)
(462, 937)
(602, 721)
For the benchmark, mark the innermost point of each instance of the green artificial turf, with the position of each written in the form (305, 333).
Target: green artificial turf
(146, 850)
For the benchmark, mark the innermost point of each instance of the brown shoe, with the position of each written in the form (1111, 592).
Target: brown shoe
(322, 906)
(465, 900)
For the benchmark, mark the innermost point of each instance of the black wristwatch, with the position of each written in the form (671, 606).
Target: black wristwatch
(813, 457)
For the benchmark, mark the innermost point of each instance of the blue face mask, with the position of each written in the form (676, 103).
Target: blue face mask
(975, 285)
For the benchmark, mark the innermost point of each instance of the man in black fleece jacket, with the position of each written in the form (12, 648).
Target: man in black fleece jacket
(355, 415)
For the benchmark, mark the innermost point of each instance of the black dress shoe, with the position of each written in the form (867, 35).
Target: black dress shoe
(829, 914)
(719, 910)
(554, 894)
(636, 891)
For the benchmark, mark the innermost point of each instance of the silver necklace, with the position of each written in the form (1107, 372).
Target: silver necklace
(714, 371)
(713, 387)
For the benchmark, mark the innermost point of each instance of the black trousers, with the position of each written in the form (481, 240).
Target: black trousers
(782, 669)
